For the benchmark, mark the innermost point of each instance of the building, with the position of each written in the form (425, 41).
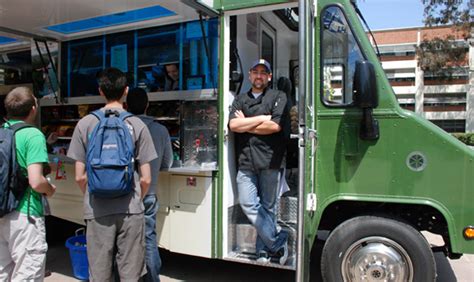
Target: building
(449, 103)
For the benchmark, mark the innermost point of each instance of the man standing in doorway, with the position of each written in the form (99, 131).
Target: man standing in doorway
(22, 232)
(259, 119)
(137, 102)
(115, 226)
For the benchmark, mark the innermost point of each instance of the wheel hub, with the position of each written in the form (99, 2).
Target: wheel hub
(376, 259)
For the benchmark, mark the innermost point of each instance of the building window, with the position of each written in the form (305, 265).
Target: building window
(397, 52)
(451, 126)
(401, 77)
(444, 107)
(450, 76)
(408, 106)
(407, 103)
(445, 103)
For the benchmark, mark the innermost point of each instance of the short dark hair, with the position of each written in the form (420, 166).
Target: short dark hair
(19, 102)
(137, 100)
(112, 82)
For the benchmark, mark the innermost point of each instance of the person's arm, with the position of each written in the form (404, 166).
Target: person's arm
(242, 124)
(38, 182)
(279, 116)
(266, 128)
(167, 151)
(145, 154)
(52, 138)
(237, 121)
(77, 151)
(81, 176)
(145, 178)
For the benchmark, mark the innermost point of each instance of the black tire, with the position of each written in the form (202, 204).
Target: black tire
(362, 242)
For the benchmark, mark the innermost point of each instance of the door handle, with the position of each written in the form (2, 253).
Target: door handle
(312, 133)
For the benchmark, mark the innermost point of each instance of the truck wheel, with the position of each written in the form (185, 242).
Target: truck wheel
(370, 248)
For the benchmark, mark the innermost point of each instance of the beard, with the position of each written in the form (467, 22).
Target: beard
(259, 84)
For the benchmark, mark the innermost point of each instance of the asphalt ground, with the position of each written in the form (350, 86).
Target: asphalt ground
(178, 267)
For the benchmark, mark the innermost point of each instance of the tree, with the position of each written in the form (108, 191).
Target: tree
(441, 55)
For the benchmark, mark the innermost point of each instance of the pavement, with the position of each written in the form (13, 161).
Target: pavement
(178, 267)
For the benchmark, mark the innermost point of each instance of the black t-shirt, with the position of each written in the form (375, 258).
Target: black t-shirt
(256, 152)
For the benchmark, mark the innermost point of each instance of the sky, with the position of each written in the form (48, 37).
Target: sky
(382, 14)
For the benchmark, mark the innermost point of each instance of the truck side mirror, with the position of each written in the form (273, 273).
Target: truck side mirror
(365, 91)
(365, 97)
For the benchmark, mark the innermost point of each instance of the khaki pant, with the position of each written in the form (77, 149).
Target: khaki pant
(22, 248)
(119, 236)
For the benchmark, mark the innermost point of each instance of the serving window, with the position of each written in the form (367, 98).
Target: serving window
(166, 58)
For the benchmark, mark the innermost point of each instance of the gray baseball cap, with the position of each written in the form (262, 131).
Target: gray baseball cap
(262, 62)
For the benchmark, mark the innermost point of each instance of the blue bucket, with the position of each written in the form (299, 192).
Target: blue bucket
(78, 253)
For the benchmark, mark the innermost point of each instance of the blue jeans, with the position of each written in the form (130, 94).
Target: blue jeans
(258, 196)
(152, 255)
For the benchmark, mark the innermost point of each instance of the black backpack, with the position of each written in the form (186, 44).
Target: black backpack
(13, 182)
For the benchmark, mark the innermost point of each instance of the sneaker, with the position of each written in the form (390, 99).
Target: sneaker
(283, 254)
(263, 257)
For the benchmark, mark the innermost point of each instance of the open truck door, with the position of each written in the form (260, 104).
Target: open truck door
(307, 137)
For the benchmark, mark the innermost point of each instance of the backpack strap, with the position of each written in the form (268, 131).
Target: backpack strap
(124, 115)
(18, 126)
(98, 114)
(101, 114)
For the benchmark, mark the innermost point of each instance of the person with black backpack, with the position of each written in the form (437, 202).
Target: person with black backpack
(109, 145)
(23, 154)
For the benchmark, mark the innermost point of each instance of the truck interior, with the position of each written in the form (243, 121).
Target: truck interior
(271, 34)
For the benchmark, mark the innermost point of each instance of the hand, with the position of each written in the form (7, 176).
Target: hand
(266, 117)
(51, 191)
(239, 114)
(52, 138)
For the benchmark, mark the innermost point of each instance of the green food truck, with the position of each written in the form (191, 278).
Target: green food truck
(365, 176)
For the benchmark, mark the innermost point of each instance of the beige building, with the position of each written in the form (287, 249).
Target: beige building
(449, 103)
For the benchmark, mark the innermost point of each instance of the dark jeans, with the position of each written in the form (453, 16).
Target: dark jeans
(152, 255)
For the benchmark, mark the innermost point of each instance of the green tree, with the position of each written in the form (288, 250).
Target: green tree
(441, 55)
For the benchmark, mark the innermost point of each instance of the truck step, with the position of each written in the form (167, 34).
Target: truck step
(250, 258)
(246, 234)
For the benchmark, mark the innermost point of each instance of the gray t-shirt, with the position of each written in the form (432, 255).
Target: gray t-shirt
(161, 140)
(95, 207)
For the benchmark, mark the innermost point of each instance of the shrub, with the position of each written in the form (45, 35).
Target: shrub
(466, 138)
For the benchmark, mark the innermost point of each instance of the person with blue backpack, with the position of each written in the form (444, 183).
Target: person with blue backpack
(137, 102)
(23, 154)
(109, 145)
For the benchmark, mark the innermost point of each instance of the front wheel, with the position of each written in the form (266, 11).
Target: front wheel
(369, 248)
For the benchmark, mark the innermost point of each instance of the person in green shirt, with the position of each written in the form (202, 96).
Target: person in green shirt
(22, 232)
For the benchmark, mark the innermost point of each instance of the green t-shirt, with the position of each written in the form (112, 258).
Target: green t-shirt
(30, 149)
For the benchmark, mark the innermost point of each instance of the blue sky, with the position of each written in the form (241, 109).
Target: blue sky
(382, 14)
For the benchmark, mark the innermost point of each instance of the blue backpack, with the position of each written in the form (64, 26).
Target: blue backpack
(13, 182)
(110, 156)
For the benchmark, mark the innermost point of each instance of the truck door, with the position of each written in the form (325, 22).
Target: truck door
(307, 138)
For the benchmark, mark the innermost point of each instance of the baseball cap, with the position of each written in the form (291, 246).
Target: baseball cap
(263, 63)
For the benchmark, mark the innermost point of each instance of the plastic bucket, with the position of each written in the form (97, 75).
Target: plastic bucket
(78, 253)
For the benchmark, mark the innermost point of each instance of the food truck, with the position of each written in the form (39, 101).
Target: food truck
(364, 175)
